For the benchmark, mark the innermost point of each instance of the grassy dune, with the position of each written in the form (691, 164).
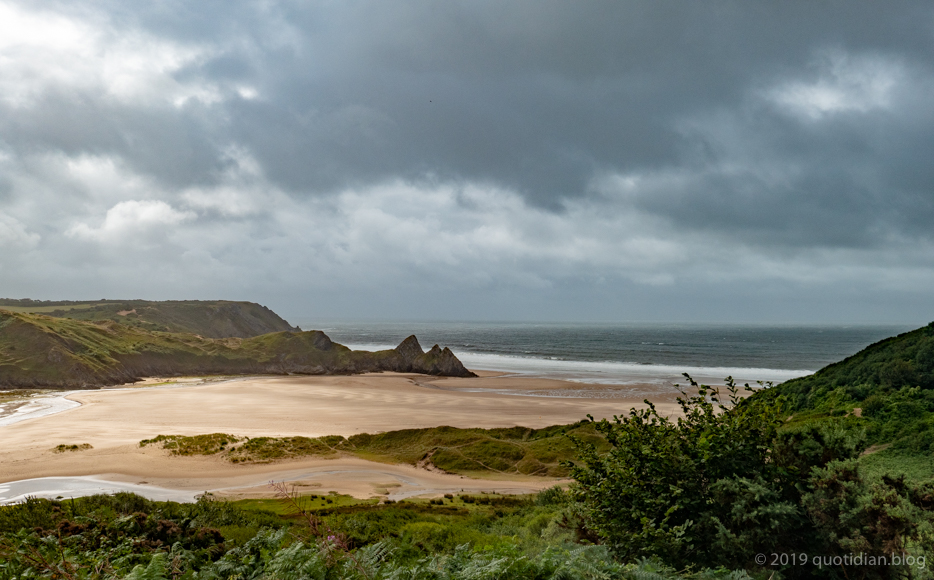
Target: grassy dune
(517, 450)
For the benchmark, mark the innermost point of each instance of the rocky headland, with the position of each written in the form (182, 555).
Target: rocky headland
(40, 351)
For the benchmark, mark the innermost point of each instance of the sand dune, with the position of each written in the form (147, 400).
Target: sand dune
(114, 421)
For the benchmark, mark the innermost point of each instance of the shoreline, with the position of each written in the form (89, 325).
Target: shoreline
(114, 420)
(559, 388)
(53, 396)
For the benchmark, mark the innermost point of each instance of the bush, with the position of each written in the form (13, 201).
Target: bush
(873, 406)
(723, 483)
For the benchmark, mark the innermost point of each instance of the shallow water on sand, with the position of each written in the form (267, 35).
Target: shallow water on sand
(38, 405)
(69, 487)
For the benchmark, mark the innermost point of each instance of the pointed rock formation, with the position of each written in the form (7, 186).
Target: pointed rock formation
(438, 361)
(410, 358)
(410, 349)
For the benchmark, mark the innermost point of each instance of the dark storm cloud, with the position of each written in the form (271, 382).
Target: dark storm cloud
(538, 97)
(176, 145)
(531, 144)
(849, 179)
(534, 96)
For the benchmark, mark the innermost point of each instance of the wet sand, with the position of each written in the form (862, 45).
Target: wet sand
(113, 421)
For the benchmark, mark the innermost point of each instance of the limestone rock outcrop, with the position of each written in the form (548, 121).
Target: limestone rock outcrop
(437, 361)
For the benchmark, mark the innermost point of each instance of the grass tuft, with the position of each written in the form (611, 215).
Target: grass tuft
(195, 445)
(79, 447)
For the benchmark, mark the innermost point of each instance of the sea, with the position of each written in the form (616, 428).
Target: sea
(626, 354)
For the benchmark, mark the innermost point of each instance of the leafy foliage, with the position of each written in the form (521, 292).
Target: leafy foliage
(724, 482)
(906, 360)
(127, 537)
(886, 390)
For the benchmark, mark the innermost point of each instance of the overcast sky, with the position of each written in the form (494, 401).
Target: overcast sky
(474, 160)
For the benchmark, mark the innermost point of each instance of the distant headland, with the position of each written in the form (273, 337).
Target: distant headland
(71, 344)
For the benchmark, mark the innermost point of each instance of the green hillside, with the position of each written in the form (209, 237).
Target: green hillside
(213, 319)
(881, 369)
(43, 351)
(885, 390)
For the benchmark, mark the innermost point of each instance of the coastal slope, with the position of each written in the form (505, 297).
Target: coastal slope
(43, 351)
(884, 393)
(879, 371)
(208, 318)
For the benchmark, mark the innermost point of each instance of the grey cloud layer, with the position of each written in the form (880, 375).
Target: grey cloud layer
(637, 142)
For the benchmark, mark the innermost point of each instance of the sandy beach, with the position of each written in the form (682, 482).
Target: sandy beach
(113, 421)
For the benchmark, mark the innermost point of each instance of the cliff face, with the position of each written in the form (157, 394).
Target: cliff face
(42, 351)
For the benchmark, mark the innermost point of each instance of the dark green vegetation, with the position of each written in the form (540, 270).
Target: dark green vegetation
(906, 360)
(518, 450)
(834, 465)
(731, 480)
(887, 390)
(43, 351)
(125, 536)
(212, 319)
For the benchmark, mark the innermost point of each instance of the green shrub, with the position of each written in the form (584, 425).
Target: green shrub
(873, 406)
(723, 484)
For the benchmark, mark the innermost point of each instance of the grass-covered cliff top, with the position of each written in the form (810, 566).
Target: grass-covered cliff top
(209, 318)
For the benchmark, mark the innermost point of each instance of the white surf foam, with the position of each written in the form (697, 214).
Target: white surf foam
(609, 372)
